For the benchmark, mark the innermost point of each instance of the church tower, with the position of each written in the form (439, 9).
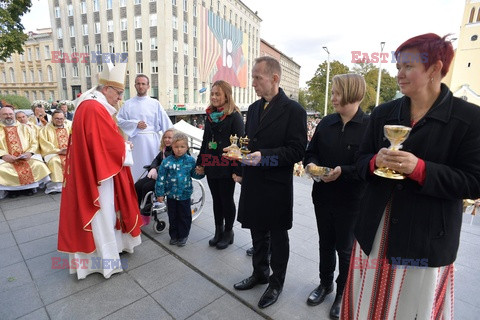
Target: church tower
(464, 75)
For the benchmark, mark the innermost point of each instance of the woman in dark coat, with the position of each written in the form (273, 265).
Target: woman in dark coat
(408, 230)
(223, 120)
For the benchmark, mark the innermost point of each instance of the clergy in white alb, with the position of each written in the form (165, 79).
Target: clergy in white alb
(53, 139)
(142, 118)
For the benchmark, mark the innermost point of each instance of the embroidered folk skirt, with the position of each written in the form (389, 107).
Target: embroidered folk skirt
(376, 289)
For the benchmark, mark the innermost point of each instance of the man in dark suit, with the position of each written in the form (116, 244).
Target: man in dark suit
(277, 128)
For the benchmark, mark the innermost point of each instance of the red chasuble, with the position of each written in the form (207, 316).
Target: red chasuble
(95, 153)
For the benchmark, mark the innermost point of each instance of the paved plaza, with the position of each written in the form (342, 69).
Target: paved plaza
(169, 282)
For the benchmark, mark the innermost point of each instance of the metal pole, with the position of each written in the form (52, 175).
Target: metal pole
(382, 45)
(328, 78)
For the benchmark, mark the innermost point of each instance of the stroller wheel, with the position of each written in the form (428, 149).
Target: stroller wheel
(159, 226)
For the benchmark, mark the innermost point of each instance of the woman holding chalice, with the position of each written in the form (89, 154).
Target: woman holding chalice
(223, 121)
(407, 232)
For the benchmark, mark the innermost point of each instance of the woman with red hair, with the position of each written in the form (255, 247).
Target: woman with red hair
(408, 230)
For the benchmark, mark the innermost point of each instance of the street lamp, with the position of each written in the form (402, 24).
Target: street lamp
(328, 78)
(382, 45)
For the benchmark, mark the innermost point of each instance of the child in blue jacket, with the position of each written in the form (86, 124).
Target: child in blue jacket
(174, 181)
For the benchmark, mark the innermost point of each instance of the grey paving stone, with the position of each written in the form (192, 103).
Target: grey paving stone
(7, 240)
(36, 232)
(183, 298)
(33, 220)
(14, 275)
(467, 284)
(19, 301)
(4, 228)
(226, 308)
(59, 285)
(11, 214)
(146, 308)
(41, 266)
(2, 217)
(20, 203)
(159, 273)
(102, 299)
(468, 255)
(466, 311)
(10, 255)
(144, 253)
(39, 247)
(39, 314)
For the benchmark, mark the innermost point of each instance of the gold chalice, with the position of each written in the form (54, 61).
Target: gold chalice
(233, 150)
(244, 146)
(396, 134)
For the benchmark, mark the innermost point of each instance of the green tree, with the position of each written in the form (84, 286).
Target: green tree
(19, 102)
(302, 98)
(316, 86)
(388, 88)
(12, 37)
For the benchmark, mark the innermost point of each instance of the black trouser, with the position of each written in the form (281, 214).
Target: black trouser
(179, 218)
(144, 186)
(335, 226)
(278, 242)
(223, 205)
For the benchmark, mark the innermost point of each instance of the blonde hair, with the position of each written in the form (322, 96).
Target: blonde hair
(162, 143)
(179, 136)
(227, 91)
(351, 86)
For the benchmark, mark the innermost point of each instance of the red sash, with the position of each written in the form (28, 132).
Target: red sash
(14, 144)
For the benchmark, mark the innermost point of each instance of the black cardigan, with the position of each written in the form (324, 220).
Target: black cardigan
(425, 221)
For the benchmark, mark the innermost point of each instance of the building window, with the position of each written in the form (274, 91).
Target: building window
(46, 52)
(87, 70)
(83, 7)
(72, 30)
(85, 29)
(86, 48)
(153, 43)
(4, 75)
(70, 10)
(32, 75)
(97, 27)
(194, 31)
(123, 24)
(22, 57)
(26, 95)
(138, 45)
(40, 76)
(111, 47)
(175, 45)
(99, 67)
(57, 12)
(34, 93)
(95, 5)
(194, 9)
(110, 26)
(24, 74)
(109, 4)
(124, 46)
(59, 33)
(123, 3)
(138, 1)
(154, 65)
(185, 27)
(174, 2)
(175, 68)
(185, 49)
(153, 20)
(174, 22)
(185, 5)
(74, 49)
(195, 72)
(139, 67)
(63, 72)
(52, 95)
(138, 21)
(75, 71)
(472, 15)
(37, 53)
(98, 47)
(194, 52)
(50, 73)
(185, 69)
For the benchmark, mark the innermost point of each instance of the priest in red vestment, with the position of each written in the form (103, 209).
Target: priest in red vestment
(99, 215)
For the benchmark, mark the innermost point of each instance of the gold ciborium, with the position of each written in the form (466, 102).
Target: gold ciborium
(244, 146)
(233, 150)
(396, 134)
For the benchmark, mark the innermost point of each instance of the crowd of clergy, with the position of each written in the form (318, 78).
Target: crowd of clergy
(33, 148)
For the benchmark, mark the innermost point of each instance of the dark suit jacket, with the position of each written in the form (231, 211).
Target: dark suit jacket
(280, 134)
(425, 220)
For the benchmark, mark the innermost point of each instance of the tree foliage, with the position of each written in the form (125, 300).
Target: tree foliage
(19, 102)
(12, 37)
(315, 91)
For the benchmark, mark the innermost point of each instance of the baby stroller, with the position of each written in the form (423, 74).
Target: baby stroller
(158, 210)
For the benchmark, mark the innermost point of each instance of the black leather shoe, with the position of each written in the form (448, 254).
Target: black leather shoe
(318, 295)
(249, 283)
(335, 309)
(269, 297)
